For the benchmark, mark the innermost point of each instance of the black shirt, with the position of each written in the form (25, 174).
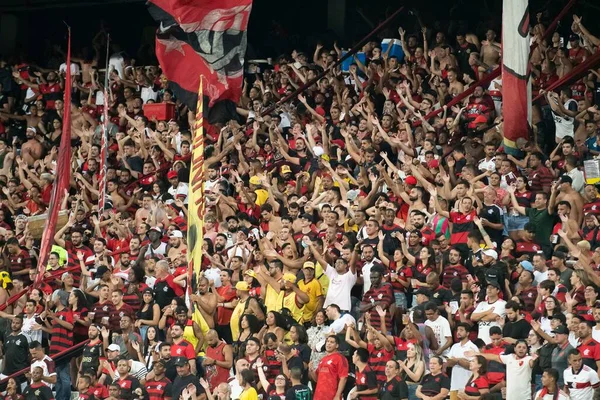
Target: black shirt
(298, 392)
(296, 362)
(517, 330)
(433, 385)
(38, 391)
(495, 215)
(181, 383)
(396, 389)
(16, 351)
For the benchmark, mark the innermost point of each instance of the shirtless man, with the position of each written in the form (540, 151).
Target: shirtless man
(490, 49)
(570, 195)
(176, 245)
(32, 149)
(32, 119)
(456, 87)
(206, 301)
(143, 213)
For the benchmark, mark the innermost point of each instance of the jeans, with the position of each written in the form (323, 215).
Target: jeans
(143, 330)
(63, 381)
(412, 390)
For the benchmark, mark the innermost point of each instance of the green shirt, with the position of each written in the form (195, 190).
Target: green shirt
(543, 223)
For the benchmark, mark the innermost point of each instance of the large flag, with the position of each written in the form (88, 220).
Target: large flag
(515, 75)
(203, 37)
(196, 202)
(63, 176)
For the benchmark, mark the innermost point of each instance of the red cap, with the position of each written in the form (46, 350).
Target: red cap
(411, 180)
(480, 119)
(433, 164)
(172, 174)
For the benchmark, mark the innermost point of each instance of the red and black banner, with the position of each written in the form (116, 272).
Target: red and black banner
(203, 37)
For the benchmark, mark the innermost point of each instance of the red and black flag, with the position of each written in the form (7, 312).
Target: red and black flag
(203, 37)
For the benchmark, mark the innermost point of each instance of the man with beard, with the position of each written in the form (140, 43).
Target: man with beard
(516, 327)
(369, 261)
(454, 270)
(176, 246)
(379, 294)
(179, 346)
(156, 246)
(231, 229)
(16, 349)
(463, 220)
(191, 330)
(220, 243)
(92, 351)
(143, 214)
(127, 184)
(415, 197)
(273, 297)
(418, 219)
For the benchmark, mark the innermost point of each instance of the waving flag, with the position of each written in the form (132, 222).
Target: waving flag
(515, 75)
(63, 177)
(202, 37)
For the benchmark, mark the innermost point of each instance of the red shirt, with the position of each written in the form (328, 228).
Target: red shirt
(183, 349)
(228, 293)
(332, 368)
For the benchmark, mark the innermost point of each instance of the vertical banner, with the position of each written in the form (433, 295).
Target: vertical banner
(196, 200)
(515, 74)
(103, 156)
(63, 175)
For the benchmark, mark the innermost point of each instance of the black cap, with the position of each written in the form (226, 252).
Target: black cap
(181, 310)
(162, 362)
(561, 329)
(423, 291)
(573, 37)
(231, 217)
(307, 216)
(560, 254)
(180, 361)
(494, 283)
(566, 179)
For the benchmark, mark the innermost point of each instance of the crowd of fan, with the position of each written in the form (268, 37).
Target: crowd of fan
(353, 247)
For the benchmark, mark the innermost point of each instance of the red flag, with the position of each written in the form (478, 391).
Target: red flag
(202, 38)
(515, 74)
(63, 176)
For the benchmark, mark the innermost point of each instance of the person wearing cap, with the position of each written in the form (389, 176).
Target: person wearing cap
(158, 385)
(32, 150)
(246, 304)
(176, 245)
(156, 247)
(179, 190)
(488, 311)
(312, 287)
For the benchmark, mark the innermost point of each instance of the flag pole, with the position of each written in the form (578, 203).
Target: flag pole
(104, 141)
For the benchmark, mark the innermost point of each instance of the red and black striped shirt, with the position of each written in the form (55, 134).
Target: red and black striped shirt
(115, 315)
(462, 225)
(496, 371)
(159, 389)
(385, 295)
(102, 310)
(592, 207)
(61, 337)
(590, 353)
(474, 386)
(20, 262)
(365, 380)
(377, 360)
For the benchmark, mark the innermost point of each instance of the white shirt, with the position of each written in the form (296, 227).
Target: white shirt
(564, 124)
(43, 364)
(213, 274)
(180, 191)
(160, 250)
(484, 326)
(578, 180)
(595, 334)
(518, 377)
(581, 385)
(339, 324)
(460, 375)
(561, 396)
(441, 329)
(366, 273)
(27, 330)
(487, 165)
(339, 288)
(539, 277)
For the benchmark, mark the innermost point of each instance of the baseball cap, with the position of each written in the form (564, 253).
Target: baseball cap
(491, 253)
(65, 275)
(566, 179)
(285, 169)
(561, 329)
(176, 234)
(411, 180)
(113, 347)
(31, 128)
(180, 361)
(172, 174)
(494, 283)
(101, 270)
(306, 216)
(155, 229)
(433, 164)
(480, 119)
(289, 277)
(423, 291)
(243, 286)
(181, 310)
(309, 264)
(573, 38)
(527, 265)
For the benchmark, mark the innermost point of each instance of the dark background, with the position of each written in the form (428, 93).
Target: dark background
(275, 26)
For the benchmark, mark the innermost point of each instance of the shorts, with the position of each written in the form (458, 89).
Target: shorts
(516, 222)
(400, 298)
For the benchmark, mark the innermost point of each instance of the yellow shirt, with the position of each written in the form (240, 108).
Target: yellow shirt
(261, 196)
(249, 394)
(289, 302)
(322, 278)
(273, 300)
(313, 289)
(236, 315)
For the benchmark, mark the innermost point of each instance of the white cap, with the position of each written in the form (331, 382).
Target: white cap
(176, 234)
(491, 253)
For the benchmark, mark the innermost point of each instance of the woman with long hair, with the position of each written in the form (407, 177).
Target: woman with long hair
(273, 324)
(279, 388)
(13, 390)
(413, 369)
(151, 347)
(249, 326)
(149, 313)
(299, 339)
(551, 308)
(579, 281)
(436, 382)
(422, 265)
(477, 385)
(247, 382)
